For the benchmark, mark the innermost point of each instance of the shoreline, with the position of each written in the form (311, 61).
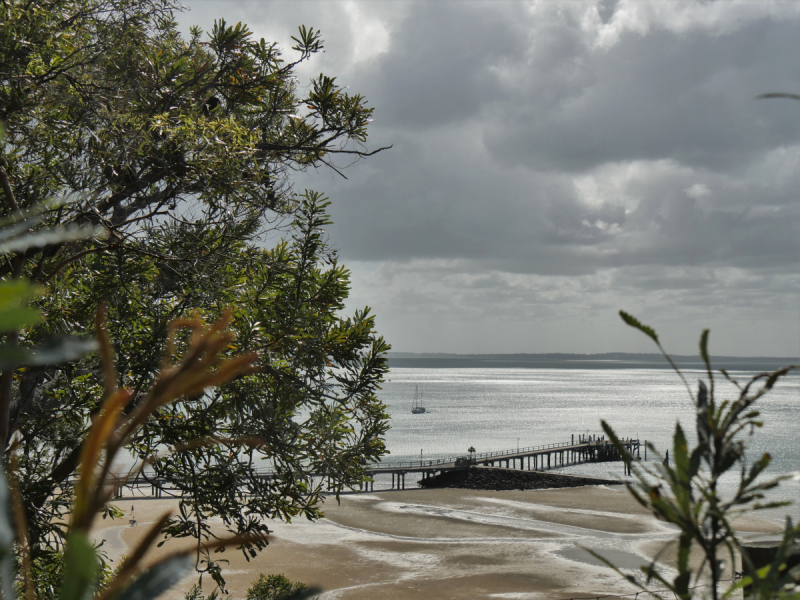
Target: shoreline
(443, 543)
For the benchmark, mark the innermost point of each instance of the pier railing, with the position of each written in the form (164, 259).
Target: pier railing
(478, 457)
(146, 478)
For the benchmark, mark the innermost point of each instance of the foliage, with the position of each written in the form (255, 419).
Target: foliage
(15, 242)
(274, 587)
(181, 150)
(81, 574)
(195, 593)
(15, 238)
(108, 97)
(687, 495)
(266, 587)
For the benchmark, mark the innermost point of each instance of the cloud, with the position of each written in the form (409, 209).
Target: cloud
(688, 98)
(553, 162)
(615, 18)
(467, 306)
(354, 32)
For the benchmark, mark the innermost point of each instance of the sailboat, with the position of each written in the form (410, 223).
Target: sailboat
(417, 407)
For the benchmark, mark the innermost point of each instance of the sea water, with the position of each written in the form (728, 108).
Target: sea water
(501, 409)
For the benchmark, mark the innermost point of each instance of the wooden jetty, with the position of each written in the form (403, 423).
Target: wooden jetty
(535, 458)
(586, 449)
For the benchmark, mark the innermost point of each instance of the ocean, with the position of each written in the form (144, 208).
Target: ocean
(505, 408)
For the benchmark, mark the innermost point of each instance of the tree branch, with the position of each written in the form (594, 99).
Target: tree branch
(285, 148)
(75, 257)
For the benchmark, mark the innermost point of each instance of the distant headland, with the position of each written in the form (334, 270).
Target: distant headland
(610, 360)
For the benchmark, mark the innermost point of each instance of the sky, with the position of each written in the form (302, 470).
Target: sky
(555, 162)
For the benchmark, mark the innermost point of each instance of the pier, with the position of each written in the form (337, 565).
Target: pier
(586, 449)
(535, 458)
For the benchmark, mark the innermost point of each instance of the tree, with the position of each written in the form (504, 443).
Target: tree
(81, 573)
(179, 150)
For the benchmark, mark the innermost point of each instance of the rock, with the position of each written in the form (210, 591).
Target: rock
(487, 478)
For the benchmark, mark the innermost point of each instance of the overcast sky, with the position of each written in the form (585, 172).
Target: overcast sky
(554, 162)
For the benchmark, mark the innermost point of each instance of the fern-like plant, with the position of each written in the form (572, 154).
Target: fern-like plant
(688, 493)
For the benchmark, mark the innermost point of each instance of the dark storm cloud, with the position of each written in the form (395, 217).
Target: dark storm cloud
(689, 98)
(555, 161)
(677, 231)
(456, 209)
(441, 64)
(493, 111)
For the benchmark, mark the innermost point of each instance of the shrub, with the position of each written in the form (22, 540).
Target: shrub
(196, 594)
(688, 497)
(274, 587)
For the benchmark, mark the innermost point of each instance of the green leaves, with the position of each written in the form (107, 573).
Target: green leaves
(704, 349)
(81, 568)
(276, 587)
(157, 579)
(683, 579)
(14, 314)
(704, 424)
(187, 147)
(7, 538)
(228, 40)
(634, 322)
(308, 42)
(691, 501)
(683, 474)
(312, 407)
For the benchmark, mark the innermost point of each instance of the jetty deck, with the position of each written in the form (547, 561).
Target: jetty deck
(532, 458)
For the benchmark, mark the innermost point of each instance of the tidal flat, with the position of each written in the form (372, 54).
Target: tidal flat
(445, 543)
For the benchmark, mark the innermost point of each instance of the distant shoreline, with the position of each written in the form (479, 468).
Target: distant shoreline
(611, 360)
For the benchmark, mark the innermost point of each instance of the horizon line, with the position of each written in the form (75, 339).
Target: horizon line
(398, 353)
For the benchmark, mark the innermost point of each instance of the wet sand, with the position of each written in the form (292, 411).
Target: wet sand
(445, 543)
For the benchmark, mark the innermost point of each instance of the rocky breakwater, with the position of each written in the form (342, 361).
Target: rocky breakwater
(492, 478)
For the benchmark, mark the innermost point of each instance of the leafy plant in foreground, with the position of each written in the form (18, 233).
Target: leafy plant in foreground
(201, 366)
(78, 571)
(688, 496)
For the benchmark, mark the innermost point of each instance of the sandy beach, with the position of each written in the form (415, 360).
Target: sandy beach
(446, 543)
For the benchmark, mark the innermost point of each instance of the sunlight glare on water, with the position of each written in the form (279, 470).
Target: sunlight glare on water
(491, 409)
